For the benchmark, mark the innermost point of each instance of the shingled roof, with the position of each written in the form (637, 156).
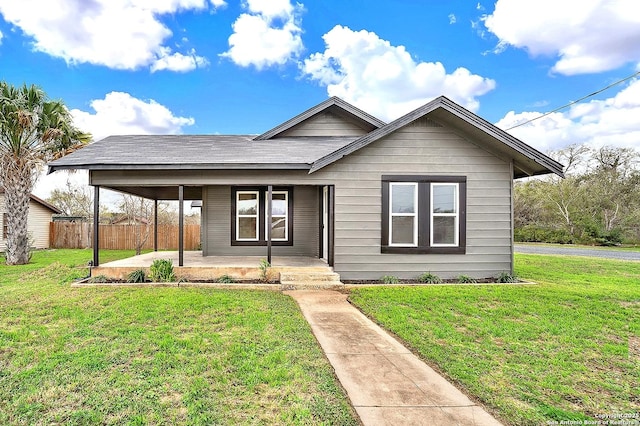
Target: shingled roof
(271, 151)
(333, 104)
(202, 152)
(527, 160)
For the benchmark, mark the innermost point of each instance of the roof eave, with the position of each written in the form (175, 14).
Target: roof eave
(362, 115)
(550, 165)
(210, 166)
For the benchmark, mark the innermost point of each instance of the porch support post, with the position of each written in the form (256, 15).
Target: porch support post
(96, 225)
(332, 217)
(155, 225)
(181, 225)
(269, 224)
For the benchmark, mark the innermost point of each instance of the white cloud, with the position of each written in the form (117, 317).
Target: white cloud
(120, 34)
(385, 80)
(452, 18)
(178, 62)
(117, 113)
(1, 37)
(121, 114)
(611, 121)
(269, 34)
(587, 36)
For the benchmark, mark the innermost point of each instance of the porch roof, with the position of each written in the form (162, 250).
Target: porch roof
(200, 152)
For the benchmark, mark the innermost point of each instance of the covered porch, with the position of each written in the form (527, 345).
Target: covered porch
(210, 268)
(301, 234)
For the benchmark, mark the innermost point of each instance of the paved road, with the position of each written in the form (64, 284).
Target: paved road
(577, 251)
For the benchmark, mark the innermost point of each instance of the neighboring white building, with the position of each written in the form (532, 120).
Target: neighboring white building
(40, 215)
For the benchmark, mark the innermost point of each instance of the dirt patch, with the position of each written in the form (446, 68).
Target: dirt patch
(634, 347)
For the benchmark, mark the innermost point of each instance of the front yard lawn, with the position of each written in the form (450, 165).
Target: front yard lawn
(566, 349)
(155, 355)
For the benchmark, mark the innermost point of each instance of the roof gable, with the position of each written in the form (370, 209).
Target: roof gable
(332, 110)
(40, 201)
(527, 160)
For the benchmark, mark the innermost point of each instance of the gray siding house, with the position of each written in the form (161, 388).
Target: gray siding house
(430, 191)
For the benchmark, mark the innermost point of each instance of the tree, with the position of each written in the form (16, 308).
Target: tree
(597, 203)
(73, 200)
(139, 213)
(33, 131)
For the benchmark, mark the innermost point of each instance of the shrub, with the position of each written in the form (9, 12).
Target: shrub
(429, 278)
(137, 276)
(390, 279)
(466, 279)
(98, 279)
(506, 277)
(264, 270)
(537, 234)
(161, 271)
(226, 279)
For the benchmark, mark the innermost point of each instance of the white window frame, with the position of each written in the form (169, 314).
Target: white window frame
(256, 215)
(455, 215)
(285, 216)
(414, 214)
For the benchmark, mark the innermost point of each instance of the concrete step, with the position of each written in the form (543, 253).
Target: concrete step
(309, 276)
(311, 285)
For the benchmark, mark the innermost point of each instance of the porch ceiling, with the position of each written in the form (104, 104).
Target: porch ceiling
(160, 192)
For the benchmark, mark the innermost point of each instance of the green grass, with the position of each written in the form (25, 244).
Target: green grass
(566, 349)
(632, 248)
(155, 355)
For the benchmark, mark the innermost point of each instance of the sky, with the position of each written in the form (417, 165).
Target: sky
(243, 67)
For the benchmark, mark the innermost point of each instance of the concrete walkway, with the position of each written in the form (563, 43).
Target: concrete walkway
(386, 383)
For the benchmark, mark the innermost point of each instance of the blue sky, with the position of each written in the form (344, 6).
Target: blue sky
(237, 67)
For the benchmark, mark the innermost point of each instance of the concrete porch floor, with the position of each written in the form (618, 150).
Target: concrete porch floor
(199, 267)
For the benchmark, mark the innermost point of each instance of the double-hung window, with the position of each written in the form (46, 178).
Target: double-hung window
(279, 216)
(445, 231)
(423, 214)
(403, 213)
(247, 209)
(249, 218)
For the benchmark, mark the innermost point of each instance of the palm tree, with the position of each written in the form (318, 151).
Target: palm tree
(33, 131)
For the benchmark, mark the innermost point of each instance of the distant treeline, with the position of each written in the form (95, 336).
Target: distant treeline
(598, 202)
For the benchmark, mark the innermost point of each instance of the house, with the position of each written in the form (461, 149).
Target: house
(124, 219)
(40, 215)
(430, 191)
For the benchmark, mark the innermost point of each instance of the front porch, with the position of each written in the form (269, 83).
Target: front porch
(283, 269)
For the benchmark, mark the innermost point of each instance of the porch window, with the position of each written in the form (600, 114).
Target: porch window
(247, 207)
(423, 214)
(279, 216)
(249, 216)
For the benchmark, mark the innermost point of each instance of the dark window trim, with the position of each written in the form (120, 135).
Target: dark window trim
(5, 226)
(262, 202)
(424, 222)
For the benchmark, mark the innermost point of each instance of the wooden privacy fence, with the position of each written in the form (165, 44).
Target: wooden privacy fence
(121, 237)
